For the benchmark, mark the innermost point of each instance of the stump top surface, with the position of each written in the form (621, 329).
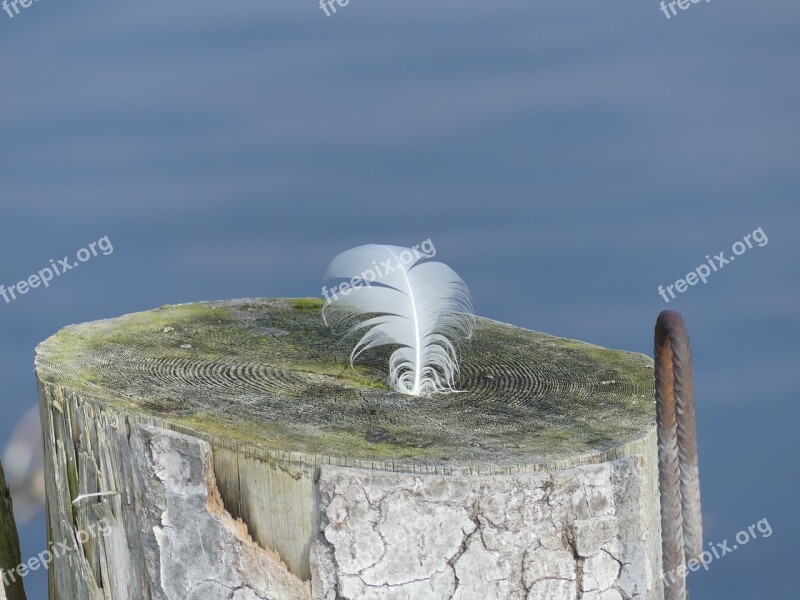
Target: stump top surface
(268, 375)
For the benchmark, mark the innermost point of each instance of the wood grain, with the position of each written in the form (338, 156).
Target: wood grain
(268, 387)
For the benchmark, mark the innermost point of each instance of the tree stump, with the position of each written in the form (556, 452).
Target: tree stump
(10, 579)
(239, 456)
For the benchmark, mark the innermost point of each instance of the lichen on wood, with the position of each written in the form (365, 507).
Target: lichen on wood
(269, 373)
(263, 392)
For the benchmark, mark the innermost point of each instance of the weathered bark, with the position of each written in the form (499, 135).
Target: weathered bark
(11, 587)
(246, 460)
(575, 533)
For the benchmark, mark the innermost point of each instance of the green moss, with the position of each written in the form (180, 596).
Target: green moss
(357, 375)
(405, 446)
(268, 372)
(308, 303)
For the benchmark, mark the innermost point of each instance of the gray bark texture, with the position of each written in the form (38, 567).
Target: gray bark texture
(227, 451)
(576, 533)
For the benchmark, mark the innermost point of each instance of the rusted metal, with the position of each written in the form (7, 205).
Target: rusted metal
(681, 522)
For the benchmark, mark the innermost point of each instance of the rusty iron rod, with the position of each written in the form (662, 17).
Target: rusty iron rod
(681, 522)
(669, 477)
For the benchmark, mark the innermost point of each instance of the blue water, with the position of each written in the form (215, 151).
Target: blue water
(566, 158)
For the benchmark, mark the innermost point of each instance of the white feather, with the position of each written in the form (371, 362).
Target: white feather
(421, 305)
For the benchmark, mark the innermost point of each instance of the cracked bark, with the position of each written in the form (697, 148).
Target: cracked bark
(248, 462)
(575, 533)
(168, 535)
